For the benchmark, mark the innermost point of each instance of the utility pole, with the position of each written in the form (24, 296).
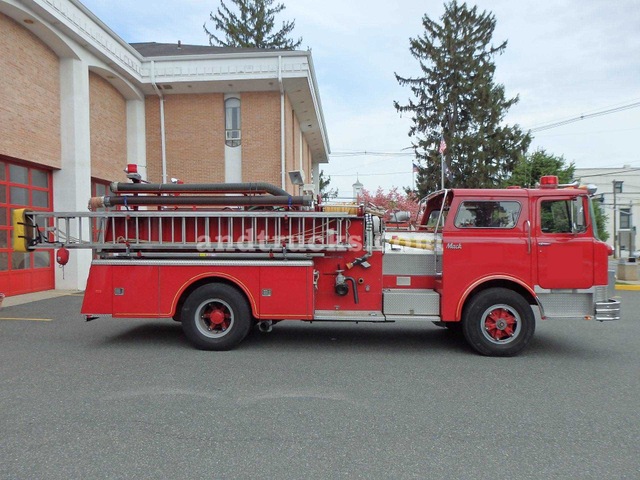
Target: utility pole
(617, 188)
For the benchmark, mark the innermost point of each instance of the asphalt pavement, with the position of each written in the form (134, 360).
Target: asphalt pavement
(119, 398)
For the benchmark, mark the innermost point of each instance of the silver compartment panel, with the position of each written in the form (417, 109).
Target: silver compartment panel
(407, 264)
(410, 302)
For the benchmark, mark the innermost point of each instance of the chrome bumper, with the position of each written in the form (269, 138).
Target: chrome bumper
(608, 310)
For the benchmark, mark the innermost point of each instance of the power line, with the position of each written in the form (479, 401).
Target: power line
(603, 174)
(585, 116)
(372, 154)
(370, 174)
(588, 133)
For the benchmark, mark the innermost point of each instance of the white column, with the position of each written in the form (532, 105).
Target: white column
(72, 184)
(136, 136)
(233, 164)
(315, 170)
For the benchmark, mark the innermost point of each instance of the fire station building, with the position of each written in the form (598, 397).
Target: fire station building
(78, 103)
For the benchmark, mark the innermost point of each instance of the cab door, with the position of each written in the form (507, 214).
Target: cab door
(564, 243)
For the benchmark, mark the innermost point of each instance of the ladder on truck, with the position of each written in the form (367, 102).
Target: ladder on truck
(188, 232)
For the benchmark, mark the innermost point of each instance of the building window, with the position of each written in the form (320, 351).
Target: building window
(232, 122)
(99, 188)
(625, 218)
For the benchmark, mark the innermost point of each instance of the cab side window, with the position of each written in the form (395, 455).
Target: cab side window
(488, 214)
(562, 216)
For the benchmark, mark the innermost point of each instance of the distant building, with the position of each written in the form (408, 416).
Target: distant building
(357, 189)
(626, 215)
(78, 103)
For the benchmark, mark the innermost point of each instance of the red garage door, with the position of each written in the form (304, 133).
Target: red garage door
(23, 186)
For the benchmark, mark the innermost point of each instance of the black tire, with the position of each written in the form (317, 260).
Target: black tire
(498, 322)
(216, 317)
(454, 327)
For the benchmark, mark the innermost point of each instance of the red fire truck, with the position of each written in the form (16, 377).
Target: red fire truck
(223, 258)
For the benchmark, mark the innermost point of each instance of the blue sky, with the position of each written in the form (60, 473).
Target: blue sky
(565, 58)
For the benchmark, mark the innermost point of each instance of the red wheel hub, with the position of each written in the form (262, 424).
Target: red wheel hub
(218, 319)
(500, 324)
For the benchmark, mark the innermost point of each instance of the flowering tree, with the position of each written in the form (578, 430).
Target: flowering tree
(392, 202)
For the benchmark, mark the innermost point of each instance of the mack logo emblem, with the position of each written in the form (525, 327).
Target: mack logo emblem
(454, 246)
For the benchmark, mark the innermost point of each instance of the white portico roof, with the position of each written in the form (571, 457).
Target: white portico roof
(72, 30)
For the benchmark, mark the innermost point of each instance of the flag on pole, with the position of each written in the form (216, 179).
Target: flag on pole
(416, 169)
(443, 146)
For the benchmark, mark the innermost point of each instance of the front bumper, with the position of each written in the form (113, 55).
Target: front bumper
(608, 310)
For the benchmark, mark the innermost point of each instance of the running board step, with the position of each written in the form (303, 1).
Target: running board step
(348, 316)
(413, 318)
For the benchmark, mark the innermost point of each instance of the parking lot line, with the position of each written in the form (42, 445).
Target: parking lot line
(28, 319)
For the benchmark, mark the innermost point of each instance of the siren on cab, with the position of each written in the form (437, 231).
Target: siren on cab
(549, 181)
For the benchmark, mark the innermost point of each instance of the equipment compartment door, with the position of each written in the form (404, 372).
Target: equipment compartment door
(564, 244)
(135, 291)
(286, 292)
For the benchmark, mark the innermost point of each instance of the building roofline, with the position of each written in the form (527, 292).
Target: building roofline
(106, 28)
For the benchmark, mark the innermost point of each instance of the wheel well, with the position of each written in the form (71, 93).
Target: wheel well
(500, 283)
(205, 281)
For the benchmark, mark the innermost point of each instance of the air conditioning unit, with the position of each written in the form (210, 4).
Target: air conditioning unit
(232, 135)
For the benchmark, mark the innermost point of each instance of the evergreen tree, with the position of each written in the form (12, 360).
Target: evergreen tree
(252, 26)
(457, 102)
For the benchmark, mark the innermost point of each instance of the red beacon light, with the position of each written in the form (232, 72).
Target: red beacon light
(549, 181)
(132, 173)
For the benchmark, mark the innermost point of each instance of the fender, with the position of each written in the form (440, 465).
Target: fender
(474, 285)
(214, 275)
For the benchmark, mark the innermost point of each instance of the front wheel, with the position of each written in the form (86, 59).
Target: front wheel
(498, 322)
(215, 317)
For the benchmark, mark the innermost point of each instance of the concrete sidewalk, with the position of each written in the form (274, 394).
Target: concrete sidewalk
(34, 297)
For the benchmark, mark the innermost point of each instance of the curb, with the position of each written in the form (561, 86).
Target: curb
(620, 286)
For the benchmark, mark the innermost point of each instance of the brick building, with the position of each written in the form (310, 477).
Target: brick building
(78, 103)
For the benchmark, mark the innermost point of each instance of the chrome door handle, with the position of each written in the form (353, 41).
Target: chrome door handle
(544, 244)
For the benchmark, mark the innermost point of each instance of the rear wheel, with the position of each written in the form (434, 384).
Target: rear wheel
(216, 317)
(498, 322)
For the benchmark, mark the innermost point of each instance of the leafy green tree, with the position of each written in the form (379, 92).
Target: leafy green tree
(530, 168)
(456, 99)
(601, 220)
(251, 25)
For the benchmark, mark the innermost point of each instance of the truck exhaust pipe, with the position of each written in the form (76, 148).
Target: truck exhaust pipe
(265, 326)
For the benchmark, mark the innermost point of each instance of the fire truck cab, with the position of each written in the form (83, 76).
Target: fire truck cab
(506, 250)
(223, 258)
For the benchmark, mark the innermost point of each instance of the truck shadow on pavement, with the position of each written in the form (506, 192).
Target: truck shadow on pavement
(303, 337)
(349, 338)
